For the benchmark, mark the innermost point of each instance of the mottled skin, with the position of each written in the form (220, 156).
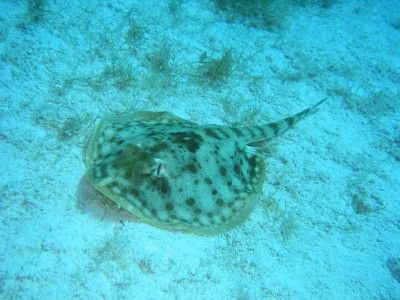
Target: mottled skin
(177, 175)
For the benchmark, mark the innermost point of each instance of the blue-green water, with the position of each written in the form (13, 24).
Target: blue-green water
(327, 224)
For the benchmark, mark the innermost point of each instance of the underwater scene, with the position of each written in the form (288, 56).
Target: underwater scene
(200, 149)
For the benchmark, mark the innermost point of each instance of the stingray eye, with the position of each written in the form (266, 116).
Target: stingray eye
(159, 167)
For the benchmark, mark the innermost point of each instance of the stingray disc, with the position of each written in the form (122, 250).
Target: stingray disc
(175, 174)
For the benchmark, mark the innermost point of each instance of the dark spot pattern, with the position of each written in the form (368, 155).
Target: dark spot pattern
(169, 206)
(208, 180)
(144, 202)
(102, 171)
(211, 133)
(223, 133)
(274, 127)
(216, 151)
(222, 170)
(253, 161)
(214, 192)
(237, 131)
(190, 201)
(236, 168)
(159, 147)
(135, 192)
(161, 184)
(290, 122)
(112, 184)
(260, 130)
(192, 141)
(192, 168)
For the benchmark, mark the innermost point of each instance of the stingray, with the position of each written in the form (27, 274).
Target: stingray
(178, 175)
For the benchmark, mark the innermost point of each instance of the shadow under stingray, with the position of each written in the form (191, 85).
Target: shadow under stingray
(91, 202)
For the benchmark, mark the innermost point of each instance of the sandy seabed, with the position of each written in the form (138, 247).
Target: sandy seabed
(327, 225)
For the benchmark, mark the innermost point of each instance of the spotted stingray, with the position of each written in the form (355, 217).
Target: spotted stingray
(177, 175)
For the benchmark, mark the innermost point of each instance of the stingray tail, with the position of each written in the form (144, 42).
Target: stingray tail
(270, 130)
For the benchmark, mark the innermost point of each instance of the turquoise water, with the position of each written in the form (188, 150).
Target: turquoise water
(327, 223)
